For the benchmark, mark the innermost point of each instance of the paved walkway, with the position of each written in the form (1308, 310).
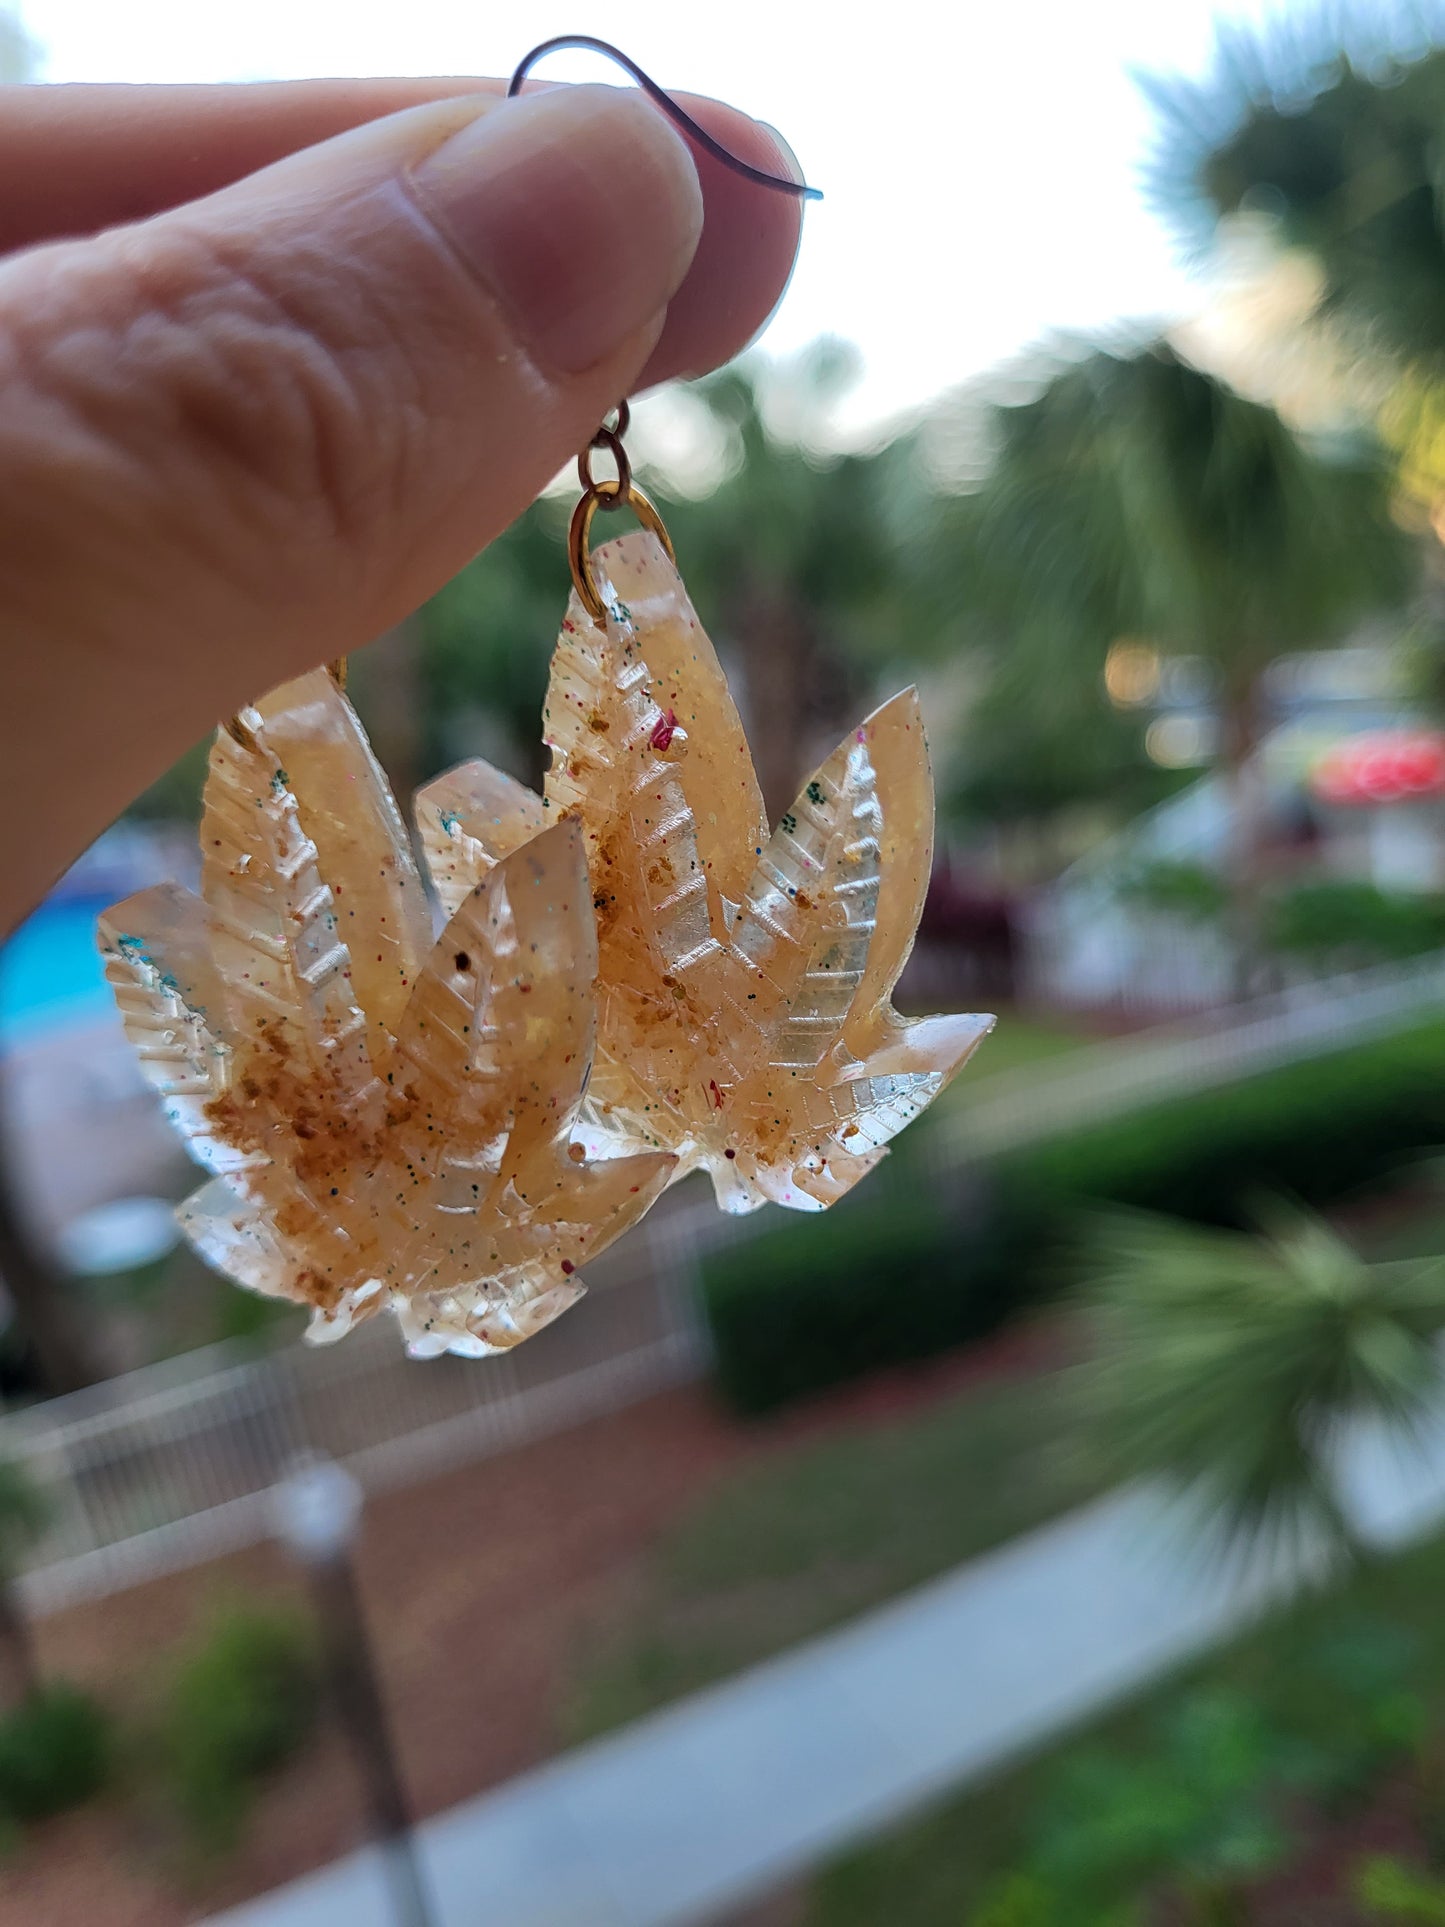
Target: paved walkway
(727, 1794)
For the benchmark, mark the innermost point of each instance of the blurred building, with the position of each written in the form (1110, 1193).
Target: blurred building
(1347, 786)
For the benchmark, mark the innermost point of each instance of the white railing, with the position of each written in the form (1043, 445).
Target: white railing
(1307, 1020)
(172, 1465)
(1087, 948)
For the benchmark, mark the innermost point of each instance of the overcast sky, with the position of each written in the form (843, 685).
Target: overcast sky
(979, 159)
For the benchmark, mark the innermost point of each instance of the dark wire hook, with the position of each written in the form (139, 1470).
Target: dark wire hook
(660, 98)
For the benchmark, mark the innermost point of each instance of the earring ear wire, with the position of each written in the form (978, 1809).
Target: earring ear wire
(660, 97)
(622, 492)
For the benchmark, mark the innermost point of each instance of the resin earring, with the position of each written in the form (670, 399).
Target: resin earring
(389, 1118)
(745, 1021)
(632, 976)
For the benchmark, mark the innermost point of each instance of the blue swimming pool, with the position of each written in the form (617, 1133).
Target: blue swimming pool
(50, 971)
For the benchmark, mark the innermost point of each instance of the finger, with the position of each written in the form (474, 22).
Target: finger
(744, 257)
(75, 160)
(251, 433)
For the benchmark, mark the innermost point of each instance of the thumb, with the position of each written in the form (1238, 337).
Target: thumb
(255, 432)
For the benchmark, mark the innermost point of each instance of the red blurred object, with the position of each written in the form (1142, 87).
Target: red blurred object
(1385, 766)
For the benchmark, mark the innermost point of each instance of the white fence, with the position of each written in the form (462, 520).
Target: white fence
(1084, 948)
(1307, 1020)
(174, 1464)
(169, 1466)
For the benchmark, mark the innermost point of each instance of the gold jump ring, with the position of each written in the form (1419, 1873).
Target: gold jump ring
(607, 495)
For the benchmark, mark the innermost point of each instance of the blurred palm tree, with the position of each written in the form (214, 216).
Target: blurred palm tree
(793, 559)
(1139, 497)
(1330, 129)
(798, 564)
(1230, 1364)
(1027, 769)
(486, 642)
(1330, 123)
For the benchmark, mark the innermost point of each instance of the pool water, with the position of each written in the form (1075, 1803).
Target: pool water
(50, 971)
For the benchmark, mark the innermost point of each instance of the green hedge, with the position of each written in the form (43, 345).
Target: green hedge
(910, 1266)
(1345, 921)
(55, 1751)
(241, 1704)
(876, 1281)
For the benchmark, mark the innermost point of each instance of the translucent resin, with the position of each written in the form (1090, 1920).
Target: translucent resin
(390, 1121)
(745, 1021)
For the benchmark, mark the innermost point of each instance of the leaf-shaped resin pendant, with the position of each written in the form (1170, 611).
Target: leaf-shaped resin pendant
(391, 1121)
(744, 980)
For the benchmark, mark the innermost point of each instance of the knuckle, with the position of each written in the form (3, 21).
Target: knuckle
(251, 415)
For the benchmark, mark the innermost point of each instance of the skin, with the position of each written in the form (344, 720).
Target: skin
(275, 361)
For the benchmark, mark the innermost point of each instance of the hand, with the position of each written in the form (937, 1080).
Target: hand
(343, 335)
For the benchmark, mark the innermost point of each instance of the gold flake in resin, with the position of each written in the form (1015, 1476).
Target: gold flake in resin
(391, 1121)
(745, 1021)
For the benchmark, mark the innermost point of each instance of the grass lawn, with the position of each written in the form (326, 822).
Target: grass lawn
(820, 1530)
(1366, 1660)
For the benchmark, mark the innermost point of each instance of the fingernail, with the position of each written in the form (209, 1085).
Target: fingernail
(788, 160)
(580, 210)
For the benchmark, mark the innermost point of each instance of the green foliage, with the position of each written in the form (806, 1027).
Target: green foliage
(55, 1752)
(826, 531)
(881, 1280)
(1203, 1805)
(1194, 1807)
(1018, 1900)
(1327, 128)
(1189, 1806)
(248, 1316)
(1355, 922)
(487, 640)
(1019, 1043)
(1170, 1809)
(175, 797)
(1033, 746)
(1228, 1364)
(1392, 1890)
(1182, 889)
(1362, 1677)
(1137, 495)
(1319, 1129)
(1332, 125)
(241, 1704)
(1023, 1902)
(906, 1269)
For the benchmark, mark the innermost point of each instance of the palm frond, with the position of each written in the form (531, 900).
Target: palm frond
(1229, 1364)
(1329, 121)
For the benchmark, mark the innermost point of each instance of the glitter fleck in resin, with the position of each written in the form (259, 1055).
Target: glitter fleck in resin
(390, 1121)
(745, 1021)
